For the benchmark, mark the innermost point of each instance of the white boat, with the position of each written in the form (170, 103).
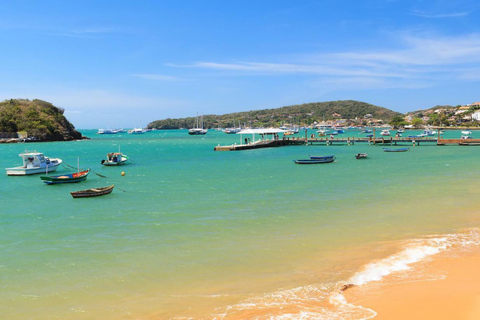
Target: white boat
(107, 131)
(428, 132)
(401, 130)
(136, 131)
(466, 132)
(34, 162)
(198, 130)
(114, 159)
(232, 130)
(385, 133)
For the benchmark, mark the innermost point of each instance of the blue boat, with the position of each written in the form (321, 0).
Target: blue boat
(322, 157)
(314, 161)
(395, 150)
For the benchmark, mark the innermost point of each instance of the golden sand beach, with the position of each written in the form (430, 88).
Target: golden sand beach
(454, 295)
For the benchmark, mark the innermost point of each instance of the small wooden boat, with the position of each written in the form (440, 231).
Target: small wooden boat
(94, 192)
(314, 161)
(395, 150)
(322, 157)
(361, 155)
(66, 178)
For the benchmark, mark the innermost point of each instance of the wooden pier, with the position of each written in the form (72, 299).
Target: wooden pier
(417, 141)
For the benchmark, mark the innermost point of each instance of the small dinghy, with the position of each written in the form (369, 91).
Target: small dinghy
(361, 155)
(314, 161)
(94, 192)
(322, 157)
(395, 150)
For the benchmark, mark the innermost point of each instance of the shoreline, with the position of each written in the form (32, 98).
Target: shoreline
(448, 288)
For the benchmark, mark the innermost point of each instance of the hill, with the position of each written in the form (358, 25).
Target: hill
(302, 114)
(39, 119)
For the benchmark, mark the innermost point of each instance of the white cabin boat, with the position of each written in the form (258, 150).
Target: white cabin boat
(385, 133)
(34, 162)
(136, 131)
(114, 159)
(107, 131)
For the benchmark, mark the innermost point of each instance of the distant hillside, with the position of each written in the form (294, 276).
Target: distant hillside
(303, 114)
(39, 119)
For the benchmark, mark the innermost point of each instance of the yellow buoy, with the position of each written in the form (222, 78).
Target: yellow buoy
(123, 173)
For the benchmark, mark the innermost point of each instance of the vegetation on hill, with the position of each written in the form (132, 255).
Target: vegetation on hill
(39, 119)
(303, 115)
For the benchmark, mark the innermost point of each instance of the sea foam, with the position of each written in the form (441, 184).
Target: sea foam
(414, 251)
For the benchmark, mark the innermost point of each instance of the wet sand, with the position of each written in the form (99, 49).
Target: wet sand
(456, 296)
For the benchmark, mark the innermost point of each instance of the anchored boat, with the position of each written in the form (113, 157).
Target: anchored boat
(114, 159)
(314, 161)
(93, 192)
(66, 178)
(395, 150)
(34, 162)
(322, 157)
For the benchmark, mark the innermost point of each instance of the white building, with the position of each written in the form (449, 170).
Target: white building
(476, 116)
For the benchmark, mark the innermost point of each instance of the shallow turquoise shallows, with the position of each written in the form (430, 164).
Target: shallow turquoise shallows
(190, 232)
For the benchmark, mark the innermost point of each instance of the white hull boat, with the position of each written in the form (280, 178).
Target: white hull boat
(34, 162)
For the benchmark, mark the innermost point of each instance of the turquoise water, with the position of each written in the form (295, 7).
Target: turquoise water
(189, 232)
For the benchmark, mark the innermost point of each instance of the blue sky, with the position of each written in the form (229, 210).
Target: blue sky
(127, 63)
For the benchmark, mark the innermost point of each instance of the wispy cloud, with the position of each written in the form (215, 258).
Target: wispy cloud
(89, 32)
(157, 77)
(417, 61)
(439, 15)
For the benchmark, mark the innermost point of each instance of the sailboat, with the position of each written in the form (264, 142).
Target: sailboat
(198, 130)
(233, 129)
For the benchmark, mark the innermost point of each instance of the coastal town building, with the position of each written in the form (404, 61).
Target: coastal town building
(476, 116)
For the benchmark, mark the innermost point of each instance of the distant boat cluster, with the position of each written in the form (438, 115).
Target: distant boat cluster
(131, 131)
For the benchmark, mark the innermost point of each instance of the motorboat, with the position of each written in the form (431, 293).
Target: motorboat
(428, 132)
(361, 155)
(114, 159)
(34, 162)
(136, 131)
(385, 133)
(107, 131)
